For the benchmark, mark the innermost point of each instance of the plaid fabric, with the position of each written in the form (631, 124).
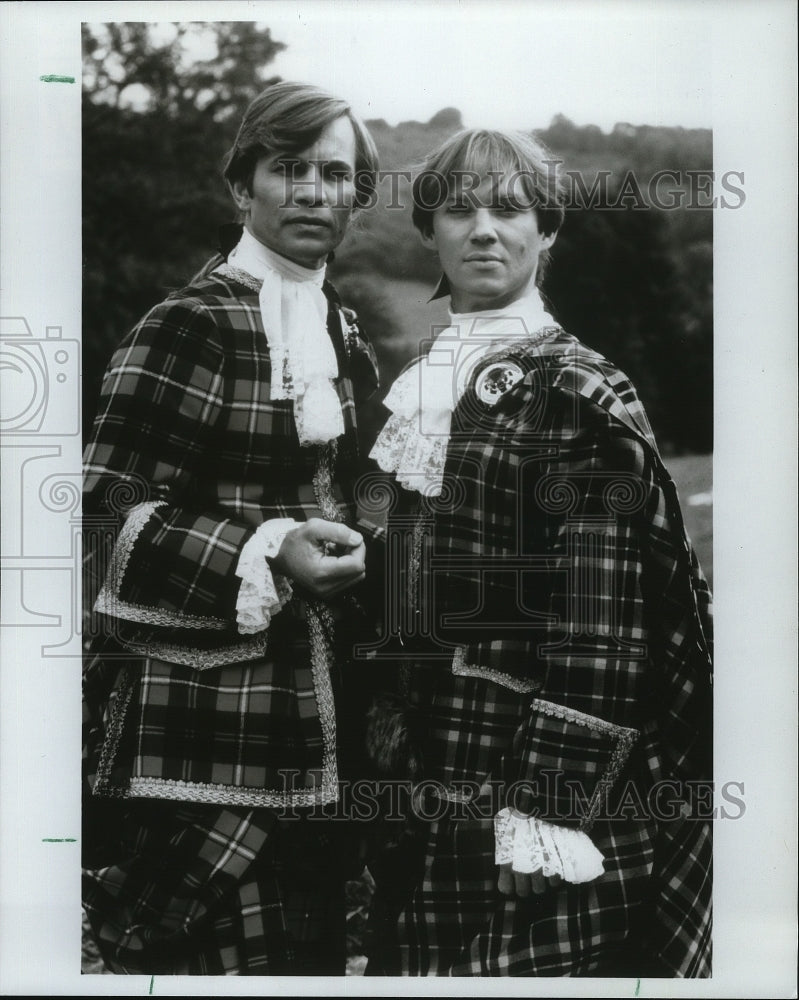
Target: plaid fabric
(457, 924)
(569, 651)
(244, 734)
(562, 550)
(190, 455)
(191, 451)
(185, 418)
(199, 890)
(247, 733)
(438, 911)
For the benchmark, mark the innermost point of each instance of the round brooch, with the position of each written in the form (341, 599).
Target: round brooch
(495, 380)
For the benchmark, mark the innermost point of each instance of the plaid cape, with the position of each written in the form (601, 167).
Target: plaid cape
(188, 455)
(186, 889)
(567, 649)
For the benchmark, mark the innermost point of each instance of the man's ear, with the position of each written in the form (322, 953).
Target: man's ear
(547, 240)
(428, 239)
(241, 195)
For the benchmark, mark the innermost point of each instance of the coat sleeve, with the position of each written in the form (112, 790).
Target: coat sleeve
(616, 667)
(174, 561)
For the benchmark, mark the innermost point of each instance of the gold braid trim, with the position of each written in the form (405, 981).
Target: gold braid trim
(521, 685)
(321, 630)
(202, 791)
(108, 600)
(113, 734)
(321, 640)
(202, 659)
(417, 544)
(323, 480)
(236, 274)
(623, 739)
(420, 529)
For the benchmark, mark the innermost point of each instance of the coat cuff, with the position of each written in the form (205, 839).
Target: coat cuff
(109, 600)
(262, 593)
(529, 844)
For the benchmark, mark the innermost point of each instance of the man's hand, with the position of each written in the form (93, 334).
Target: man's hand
(322, 557)
(523, 884)
(511, 883)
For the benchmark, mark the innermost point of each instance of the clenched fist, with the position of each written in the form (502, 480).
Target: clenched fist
(322, 557)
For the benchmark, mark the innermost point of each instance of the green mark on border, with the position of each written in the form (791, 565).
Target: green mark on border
(637, 988)
(152, 980)
(55, 78)
(59, 840)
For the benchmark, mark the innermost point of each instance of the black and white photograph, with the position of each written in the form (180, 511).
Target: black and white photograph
(398, 483)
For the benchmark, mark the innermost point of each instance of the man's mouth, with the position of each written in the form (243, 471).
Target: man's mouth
(482, 258)
(310, 220)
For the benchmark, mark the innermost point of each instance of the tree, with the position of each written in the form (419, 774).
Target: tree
(159, 66)
(160, 108)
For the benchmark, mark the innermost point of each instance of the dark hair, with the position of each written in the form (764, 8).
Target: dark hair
(289, 117)
(490, 153)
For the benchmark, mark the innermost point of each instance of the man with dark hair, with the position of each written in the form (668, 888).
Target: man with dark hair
(225, 447)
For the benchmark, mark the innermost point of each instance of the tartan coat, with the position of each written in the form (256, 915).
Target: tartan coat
(188, 456)
(560, 632)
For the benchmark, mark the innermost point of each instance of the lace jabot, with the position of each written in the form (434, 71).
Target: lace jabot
(302, 356)
(413, 443)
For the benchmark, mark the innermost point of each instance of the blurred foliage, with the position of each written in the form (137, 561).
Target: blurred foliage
(634, 281)
(157, 123)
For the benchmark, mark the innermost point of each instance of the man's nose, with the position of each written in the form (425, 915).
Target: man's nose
(483, 230)
(310, 188)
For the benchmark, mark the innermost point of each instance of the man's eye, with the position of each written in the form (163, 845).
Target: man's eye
(338, 174)
(286, 167)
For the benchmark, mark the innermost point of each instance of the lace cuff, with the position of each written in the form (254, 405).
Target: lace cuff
(417, 459)
(529, 844)
(262, 593)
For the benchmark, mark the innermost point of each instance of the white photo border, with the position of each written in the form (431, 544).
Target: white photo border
(753, 47)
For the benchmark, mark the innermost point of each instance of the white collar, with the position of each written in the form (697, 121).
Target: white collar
(301, 353)
(252, 256)
(413, 443)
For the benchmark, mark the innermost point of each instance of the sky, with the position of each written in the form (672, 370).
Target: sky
(503, 64)
(506, 64)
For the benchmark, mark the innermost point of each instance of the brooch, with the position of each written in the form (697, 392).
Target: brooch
(349, 328)
(495, 380)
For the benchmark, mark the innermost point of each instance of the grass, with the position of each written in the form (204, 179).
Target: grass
(693, 475)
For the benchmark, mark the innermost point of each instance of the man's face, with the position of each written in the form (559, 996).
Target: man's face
(301, 202)
(488, 243)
